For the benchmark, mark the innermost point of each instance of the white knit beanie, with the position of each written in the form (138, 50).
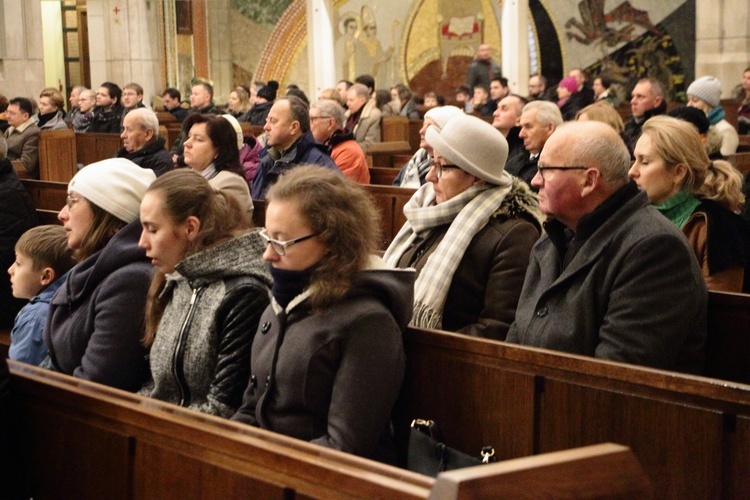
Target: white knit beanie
(117, 186)
(707, 89)
(442, 114)
(474, 145)
(237, 129)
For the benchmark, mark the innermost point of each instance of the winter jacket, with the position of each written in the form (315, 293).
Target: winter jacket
(96, 319)
(348, 156)
(257, 114)
(633, 126)
(484, 292)
(250, 157)
(333, 378)
(17, 215)
(106, 121)
(304, 152)
(153, 155)
(200, 357)
(626, 288)
(55, 122)
(23, 144)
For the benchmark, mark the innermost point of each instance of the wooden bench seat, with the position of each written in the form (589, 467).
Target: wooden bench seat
(383, 153)
(93, 147)
(84, 440)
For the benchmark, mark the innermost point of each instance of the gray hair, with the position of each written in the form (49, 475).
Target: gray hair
(548, 113)
(360, 90)
(146, 119)
(657, 88)
(601, 147)
(330, 108)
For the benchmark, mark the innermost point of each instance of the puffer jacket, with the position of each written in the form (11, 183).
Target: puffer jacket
(200, 357)
(333, 378)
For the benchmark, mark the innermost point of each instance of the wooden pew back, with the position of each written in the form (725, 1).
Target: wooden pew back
(47, 195)
(91, 441)
(93, 147)
(691, 434)
(382, 153)
(57, 155)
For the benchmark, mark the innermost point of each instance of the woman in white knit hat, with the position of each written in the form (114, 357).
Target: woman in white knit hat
(705, 94)
(95, 323)
(469, 233)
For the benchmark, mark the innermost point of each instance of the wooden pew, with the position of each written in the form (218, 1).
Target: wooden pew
(249, 129)
(93, 147)
(172, 126)
(20, 168)
(414, 138)
(57, 155)
(4, 342)
(47, 195)
(728, 346)
(394, 128)
(382, 153)
(741, 161)
(84, 440)
(691, 434)
(383, 176)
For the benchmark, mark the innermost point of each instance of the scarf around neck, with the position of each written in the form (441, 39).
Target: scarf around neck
(716, 115)
(467, 213)
(679, 207)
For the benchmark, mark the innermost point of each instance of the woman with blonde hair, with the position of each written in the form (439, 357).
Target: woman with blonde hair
(207, 295)
(328, 361)
(51, 115)
(700, 196)
(602, 111)
(239, 102)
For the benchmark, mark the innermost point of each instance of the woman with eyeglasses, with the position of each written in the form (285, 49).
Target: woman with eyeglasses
(702, 197)
(207, 294)
(328, 360)
(95, 322)
(469, 233)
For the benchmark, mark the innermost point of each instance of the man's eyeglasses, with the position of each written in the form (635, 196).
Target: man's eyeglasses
(543, 168)
(280, 246)
(313, 118)
(439, 167)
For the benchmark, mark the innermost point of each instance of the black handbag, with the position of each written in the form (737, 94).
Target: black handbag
(428, 454)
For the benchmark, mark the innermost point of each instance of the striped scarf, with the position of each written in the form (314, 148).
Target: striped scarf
(467, 213)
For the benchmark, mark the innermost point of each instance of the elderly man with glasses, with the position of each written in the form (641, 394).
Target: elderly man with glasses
(327, 126)
(611, 278)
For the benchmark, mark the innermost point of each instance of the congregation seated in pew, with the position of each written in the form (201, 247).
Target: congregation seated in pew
(141, 143)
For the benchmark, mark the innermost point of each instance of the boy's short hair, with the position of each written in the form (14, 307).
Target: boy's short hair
(47, 246)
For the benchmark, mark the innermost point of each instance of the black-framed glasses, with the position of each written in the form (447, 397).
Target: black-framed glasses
(439, 167)
(280, 246)
(313, 118)
(574, 167)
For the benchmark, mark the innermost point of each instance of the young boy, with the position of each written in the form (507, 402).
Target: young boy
(42, 259)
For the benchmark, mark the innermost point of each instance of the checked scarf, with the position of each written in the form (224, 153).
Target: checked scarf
(467, 213)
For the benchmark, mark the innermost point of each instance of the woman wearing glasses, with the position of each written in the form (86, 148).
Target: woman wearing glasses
(469, 233)
(95, 321)
(207, 295)
(328, 361)
(700, 196)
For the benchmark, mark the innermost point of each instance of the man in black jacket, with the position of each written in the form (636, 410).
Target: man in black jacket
(108, 110)
(141, 142)
(648, 99)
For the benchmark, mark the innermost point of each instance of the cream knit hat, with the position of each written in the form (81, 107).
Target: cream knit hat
(474, 145)
(707, 89)
(237, 129)
(442, 114)
(116, 186)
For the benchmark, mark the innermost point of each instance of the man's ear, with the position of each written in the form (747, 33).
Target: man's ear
(149, 134)
(591, 180)
(48, 276)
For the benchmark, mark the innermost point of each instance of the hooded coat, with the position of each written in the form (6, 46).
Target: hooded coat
(200, 357)
(333, 378)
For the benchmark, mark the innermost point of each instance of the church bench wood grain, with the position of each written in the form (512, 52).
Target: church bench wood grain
(250, 129)
(728, 346)
(93, 147)
(382, 176)
(691, 434)
(394, 128)
(57, 155)
(20, 168)
(47, 195)
(84, 440)
(383, 153)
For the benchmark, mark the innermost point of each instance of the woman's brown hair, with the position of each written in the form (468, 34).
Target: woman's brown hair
(103, 228)
(346, 220)
(185, 193)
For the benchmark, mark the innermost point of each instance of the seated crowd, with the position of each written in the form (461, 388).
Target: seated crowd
(535, 228)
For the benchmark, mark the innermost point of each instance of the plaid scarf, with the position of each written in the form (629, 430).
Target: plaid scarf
(467, 213)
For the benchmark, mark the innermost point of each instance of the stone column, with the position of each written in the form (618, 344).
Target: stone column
(124, 44)
(515, 37)
(219, 48)
(21, 48)
(320, 53)
(722, 40)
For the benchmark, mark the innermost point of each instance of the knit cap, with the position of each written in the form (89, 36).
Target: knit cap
(473, 145)
(442, 114)
(707, 89)
(569, 83)
(692, 115)
(237, 128)
(268, 92)
(116, 185)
